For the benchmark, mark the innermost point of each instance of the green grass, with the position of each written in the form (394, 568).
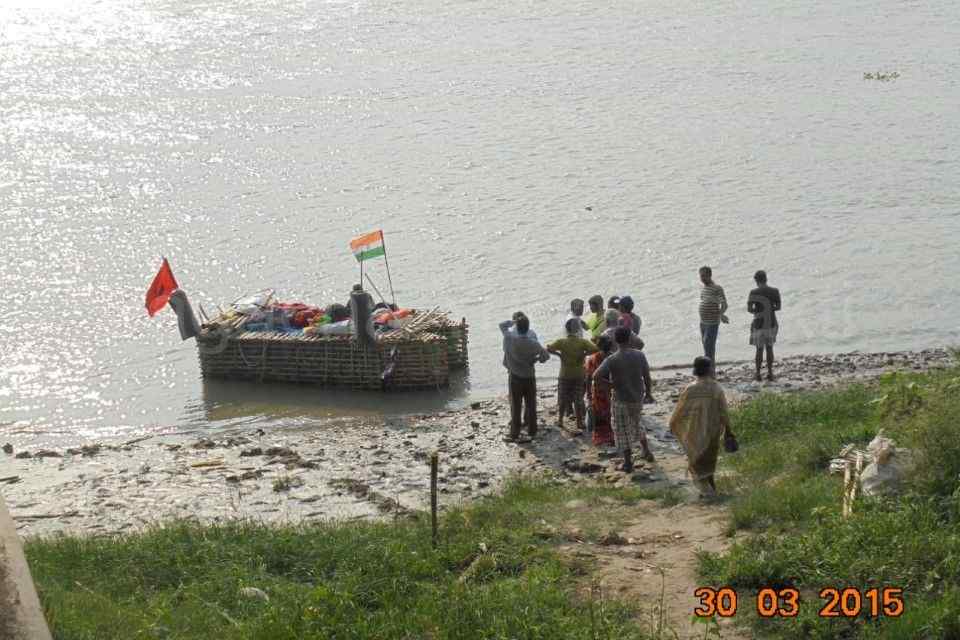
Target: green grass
(494, 575)
(786, 507)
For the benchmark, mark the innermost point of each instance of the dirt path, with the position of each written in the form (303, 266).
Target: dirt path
(646, 553)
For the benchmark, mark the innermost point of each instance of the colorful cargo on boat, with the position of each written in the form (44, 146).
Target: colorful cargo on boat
(419, 353)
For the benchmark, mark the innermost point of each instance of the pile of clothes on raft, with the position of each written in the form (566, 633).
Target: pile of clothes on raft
(263, 313)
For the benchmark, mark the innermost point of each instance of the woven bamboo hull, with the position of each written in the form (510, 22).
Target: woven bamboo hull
(456, 337)
(422, 361)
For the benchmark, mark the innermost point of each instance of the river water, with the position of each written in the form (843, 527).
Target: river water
(516, 155)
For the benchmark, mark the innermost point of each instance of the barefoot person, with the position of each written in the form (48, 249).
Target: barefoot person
(598, 394)
(699, 422)
(520, 353)
(626, 370)
(576, 312)
(764, 302)
(713, 306)
(572, 350)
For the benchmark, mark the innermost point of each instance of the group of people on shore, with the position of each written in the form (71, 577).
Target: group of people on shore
(605, 380)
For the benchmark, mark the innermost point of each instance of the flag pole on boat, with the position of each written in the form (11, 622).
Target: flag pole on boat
(393, 296)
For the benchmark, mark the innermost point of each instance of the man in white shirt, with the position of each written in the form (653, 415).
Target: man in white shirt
(576, 311)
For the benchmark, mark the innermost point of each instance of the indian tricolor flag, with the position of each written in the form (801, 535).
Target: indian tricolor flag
(369, 245)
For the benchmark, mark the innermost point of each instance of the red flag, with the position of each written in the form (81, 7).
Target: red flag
(159, 292)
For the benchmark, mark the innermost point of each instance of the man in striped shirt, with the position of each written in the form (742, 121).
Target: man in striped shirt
(713, 306)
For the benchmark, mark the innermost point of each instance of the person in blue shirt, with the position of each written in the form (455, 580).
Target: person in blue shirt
(521, 352)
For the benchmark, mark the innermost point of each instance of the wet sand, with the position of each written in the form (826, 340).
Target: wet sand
(362, 467)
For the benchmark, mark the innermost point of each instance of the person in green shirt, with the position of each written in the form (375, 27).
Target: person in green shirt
(595, 323)
(572, 351)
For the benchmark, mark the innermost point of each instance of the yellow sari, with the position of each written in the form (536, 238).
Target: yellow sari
(699, 422)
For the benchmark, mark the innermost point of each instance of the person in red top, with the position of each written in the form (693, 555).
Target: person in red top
(598, 395)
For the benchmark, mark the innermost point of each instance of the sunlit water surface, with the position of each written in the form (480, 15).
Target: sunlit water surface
(516, 154)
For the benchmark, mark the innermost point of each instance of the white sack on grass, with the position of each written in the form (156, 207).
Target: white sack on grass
(884, 475)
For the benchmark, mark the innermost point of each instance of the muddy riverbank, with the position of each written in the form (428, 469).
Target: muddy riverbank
(361, 467)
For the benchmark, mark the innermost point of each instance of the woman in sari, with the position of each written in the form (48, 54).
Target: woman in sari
(598, 395)
(700, 422)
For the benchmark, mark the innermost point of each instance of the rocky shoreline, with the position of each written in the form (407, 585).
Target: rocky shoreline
(362, 467)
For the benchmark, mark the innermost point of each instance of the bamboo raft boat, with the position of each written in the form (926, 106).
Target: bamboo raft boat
(419, 355)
